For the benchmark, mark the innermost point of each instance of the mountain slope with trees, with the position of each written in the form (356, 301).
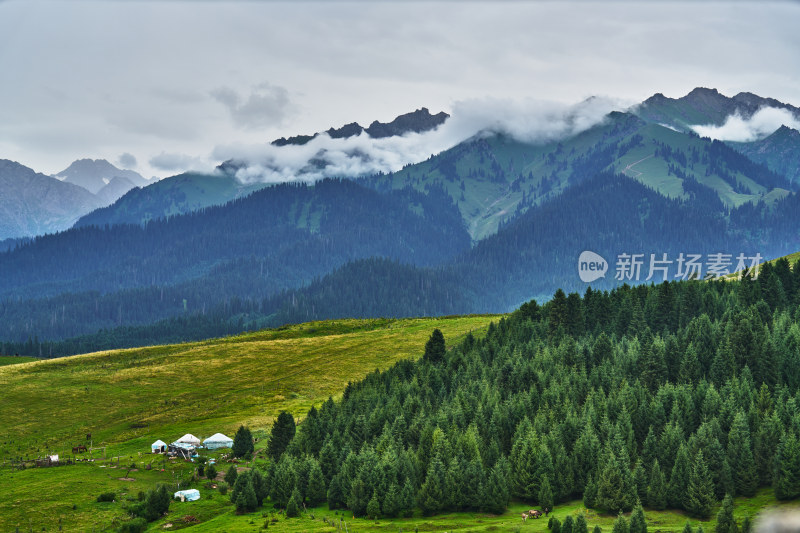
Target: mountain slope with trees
(673, 394)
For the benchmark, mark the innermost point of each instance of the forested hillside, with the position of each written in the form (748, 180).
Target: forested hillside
(89, 278)
(673, 394)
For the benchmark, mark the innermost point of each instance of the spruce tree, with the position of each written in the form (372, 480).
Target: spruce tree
(336, 496)
(315, 491)
(620, 524)
(725, 520)
(246, 500)
(580, 524)
(546, 494)
(259, 486)
(283, 431)
(568, 526)
(688, 527)
(374, 507)
(294, 504)
(284, 481)
(640, 480)
(590, 493)
(700, 492)
(597, 529)
(679, 480)
(407, 499)
(230, 475)
(497, 494)
(432, 494)
(242, 442)
(638, 523)
(657, 488)
(787, 468)
(740, 457)
(435, 347)
(211, 472)
(391, 502)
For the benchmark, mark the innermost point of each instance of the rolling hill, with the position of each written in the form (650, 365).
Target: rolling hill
(166, 391)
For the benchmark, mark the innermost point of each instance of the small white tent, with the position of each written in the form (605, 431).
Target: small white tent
(188, 495)
(158, 446)
(189, 439)
(218, 440)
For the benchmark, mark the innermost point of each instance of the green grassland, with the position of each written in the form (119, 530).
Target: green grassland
(15, 360)
(129, 398)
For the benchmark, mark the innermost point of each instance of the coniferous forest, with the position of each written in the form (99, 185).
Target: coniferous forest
(674, 395)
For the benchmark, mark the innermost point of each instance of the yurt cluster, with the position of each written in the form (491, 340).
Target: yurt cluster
(187, 445)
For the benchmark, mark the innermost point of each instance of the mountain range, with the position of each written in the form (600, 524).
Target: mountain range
(480, 227)
(33, 204)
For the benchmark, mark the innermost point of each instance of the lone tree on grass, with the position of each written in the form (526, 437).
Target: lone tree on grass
(242, 442)
(283, 430)
(434, 348)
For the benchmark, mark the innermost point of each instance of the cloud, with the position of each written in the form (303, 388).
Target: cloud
(266, 106)
(126, 160)
(532, 121)
(737, 128)
(177, 162)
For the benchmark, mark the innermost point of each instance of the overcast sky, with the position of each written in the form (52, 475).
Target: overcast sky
(165, 86)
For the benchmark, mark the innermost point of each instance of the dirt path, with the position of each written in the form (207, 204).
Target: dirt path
(636, 172)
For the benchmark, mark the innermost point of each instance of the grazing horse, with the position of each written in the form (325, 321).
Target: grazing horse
(533, 513)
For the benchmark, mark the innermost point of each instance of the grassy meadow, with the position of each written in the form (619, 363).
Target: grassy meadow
(129, 398)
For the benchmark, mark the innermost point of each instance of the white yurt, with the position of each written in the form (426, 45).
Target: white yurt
(218, 440)
(158, 446)
(188, 495)
(189, 439)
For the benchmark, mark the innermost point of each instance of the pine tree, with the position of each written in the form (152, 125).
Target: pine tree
(597, 529)
(725, 520)
(407, 499)
(615, 489)
(316, 491)
(580, 524)
(391, 502)
(740, 457)
(374, 507)
(787, 468)
(569, 524)
(679, 480)
(497, 494)
(283, 482)
(590, 494)
(432, 495)
(336, 496)
(657, 488)
(700, 492)
(359, 497)
(246, 500)
(638, 523)
(259, 486)
(283, 431)
(688, 527)
(211, 472)
(294, 505)
(435, 347)
(242, 442)
(546, 494)
(230, 475)
(620, 524)
(640, 480)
